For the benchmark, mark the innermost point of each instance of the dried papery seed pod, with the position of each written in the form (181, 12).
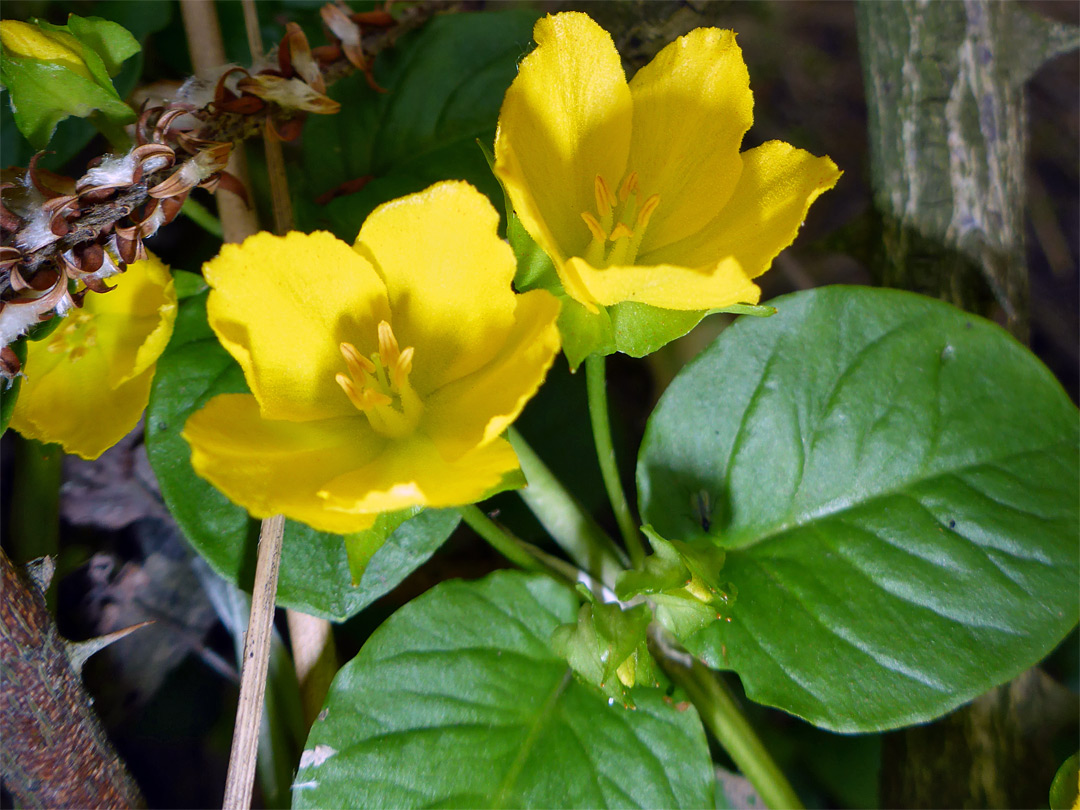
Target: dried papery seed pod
(48, 184)
(347, 32)
(20, 314)
(9, 259)
(161, 129)
(114, 172)
(60, 210)
(289, 94)
(295, 58)
(8, 221)
(153, 157)
(170, 206)
(10, 366)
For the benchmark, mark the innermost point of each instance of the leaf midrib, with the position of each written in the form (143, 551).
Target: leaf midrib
(542, 718)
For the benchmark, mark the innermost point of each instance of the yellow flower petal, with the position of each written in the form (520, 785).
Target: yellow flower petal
(447, 277)
(777, 186)
(415, 472)
(476, 409)
(282, 306)
(142, 302)
(564, 120)
(692, 106)
(72, 406)
(278, 467)
(88, 382)
(670, 286)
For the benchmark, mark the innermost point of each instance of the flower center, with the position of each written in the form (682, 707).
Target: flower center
(379, 385)
(619, 226)
(76, 336)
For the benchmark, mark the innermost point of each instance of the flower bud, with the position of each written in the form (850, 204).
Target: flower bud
(24, 40)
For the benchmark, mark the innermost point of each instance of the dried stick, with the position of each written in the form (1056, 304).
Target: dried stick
(249, 711)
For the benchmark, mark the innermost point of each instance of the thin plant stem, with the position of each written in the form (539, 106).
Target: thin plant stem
(596, 384)
(33, 528)
(721, 715)
(500, 539)
(559, 512)
(315, 659)
(249, 711)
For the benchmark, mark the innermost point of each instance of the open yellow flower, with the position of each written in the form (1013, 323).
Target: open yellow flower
(88, 382)
(382, 374)
(638, 191)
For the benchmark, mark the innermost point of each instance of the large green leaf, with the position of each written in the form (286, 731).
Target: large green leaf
(445, 84)
(315, 575)
(459, 701)
(895, 484)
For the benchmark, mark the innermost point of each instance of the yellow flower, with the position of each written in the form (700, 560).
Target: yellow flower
(88, 382)
(638, 191)
(382, 374)
(60, 48)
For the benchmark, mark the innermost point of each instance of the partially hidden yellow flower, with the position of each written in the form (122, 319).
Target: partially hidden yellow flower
(88, 382)
(31, 41)
(638, 192)
(382, 374)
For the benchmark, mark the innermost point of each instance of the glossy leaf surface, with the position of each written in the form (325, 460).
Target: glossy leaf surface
(894, 482)
(459, 701)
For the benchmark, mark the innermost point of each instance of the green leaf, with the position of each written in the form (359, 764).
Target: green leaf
(445, 85)
(43, 94)
(113, 44)
(315, 574)
(894, 482)
(188, 284)
(9, 392)
(1063, 790)
(459, 701)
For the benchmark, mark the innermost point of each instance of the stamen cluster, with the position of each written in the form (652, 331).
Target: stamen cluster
(620, 226)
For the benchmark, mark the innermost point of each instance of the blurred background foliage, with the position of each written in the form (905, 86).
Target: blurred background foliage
(168, 694)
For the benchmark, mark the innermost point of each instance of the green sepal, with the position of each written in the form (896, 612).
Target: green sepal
(680, 578)
(607, 648)
(360, 547)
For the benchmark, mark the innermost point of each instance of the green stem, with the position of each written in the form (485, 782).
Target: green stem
(499, 539)
(596, 383)
(564, 518)
(34, 527)
(721, 715)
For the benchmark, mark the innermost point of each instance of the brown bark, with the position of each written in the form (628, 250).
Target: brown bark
(55, 752)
